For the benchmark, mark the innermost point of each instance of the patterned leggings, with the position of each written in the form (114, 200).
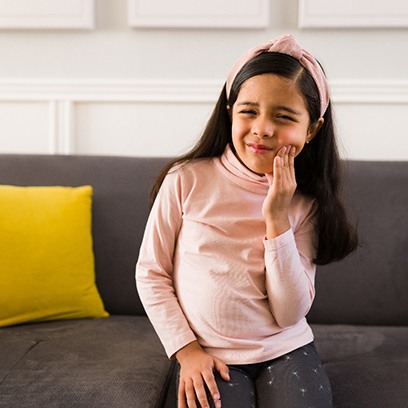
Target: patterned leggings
(295, 380)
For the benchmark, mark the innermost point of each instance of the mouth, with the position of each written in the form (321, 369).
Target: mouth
(259, 148)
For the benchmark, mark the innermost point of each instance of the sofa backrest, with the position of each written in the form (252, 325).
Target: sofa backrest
(120, 209)
(368, 287)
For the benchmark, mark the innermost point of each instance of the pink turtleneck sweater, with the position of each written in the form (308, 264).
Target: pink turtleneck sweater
(206, 273)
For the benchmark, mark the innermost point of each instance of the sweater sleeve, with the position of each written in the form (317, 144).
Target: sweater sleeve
(154, 269)
(290, 271)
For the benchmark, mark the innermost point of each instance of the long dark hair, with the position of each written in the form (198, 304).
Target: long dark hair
(318, 166)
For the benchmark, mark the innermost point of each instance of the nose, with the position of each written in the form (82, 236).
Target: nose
(262, 128)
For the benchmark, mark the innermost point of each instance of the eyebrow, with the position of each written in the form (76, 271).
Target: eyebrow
(280, 107)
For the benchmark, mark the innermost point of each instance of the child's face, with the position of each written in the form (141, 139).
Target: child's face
(268, 114)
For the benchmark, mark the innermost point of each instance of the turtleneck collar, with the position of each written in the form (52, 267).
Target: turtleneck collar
(234, 170)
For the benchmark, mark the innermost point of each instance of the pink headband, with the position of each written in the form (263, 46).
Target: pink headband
(286, 44)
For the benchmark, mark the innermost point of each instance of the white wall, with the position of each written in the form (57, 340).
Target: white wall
(125, 91)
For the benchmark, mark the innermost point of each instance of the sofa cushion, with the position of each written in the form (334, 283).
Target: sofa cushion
(112, 362)
(367, 365)
(119, 211)
(46, 264)
(369, 287)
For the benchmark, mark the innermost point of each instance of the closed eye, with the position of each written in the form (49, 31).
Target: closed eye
(285, 117)
(248, 112)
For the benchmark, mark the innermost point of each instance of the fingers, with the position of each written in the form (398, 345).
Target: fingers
(200, 393)
(275, 207)
(222, 369)
(189, 393)
(285, 158)
(284, 164)
(193, 390)
(286, 155)
(212, 387)
(282, 185)
(186, 396)
(196, 378)
(291, 161)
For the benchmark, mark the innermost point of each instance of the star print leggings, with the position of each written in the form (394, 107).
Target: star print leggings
(295, 380)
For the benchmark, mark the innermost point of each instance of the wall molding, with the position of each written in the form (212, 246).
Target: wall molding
(61, 96)
(110, 90)
(48, 14)
(211, 13)
(349, 13)
(178, 91)
(381, 91)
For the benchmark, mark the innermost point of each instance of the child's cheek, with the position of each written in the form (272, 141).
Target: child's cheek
(293, 138)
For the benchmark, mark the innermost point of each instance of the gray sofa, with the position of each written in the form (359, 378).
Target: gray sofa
(360, 316)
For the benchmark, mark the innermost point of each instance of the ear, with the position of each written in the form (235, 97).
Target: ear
(313, 129)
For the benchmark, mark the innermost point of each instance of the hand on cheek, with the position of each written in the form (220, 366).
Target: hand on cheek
(282, 186)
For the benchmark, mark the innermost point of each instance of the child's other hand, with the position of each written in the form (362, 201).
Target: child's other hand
(196, 371)
(282, 186)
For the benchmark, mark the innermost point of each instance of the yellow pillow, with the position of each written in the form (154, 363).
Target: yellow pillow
(46, 255)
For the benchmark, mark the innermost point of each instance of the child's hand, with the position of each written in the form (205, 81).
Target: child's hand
(196, 371)
(282, 186)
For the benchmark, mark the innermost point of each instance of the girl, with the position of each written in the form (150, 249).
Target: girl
(227, 265)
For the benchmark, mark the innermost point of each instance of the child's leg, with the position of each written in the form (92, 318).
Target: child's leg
(297, 379)
(239, 392)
